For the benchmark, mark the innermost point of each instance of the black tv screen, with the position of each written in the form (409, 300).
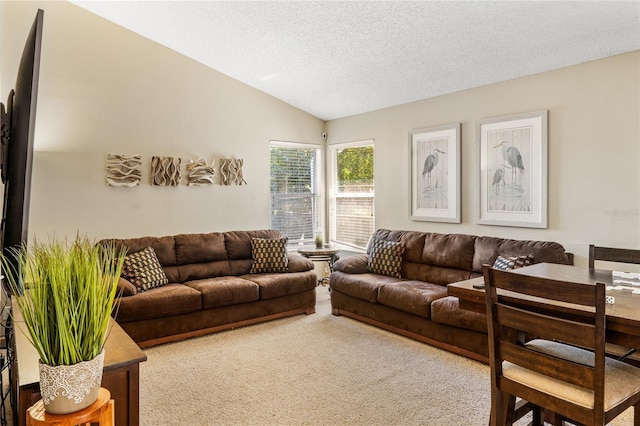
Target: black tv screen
(17, 156)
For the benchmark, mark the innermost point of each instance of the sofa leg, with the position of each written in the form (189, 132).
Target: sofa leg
(311, 310)
(335, 311)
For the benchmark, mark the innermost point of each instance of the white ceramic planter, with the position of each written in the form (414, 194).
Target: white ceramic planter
(69, 388)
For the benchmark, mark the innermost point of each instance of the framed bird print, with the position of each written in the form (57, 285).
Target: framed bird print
(512, 155)
(435, 173)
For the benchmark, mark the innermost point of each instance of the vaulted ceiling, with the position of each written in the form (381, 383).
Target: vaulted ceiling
(339, 58)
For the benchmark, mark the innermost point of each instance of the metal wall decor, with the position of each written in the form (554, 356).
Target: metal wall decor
(231, 171)
(165, 171)
(123, 170)
(200, 173)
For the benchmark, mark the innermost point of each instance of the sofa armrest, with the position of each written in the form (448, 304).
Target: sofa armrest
(299, 263)
(125, 288)
(356, 264)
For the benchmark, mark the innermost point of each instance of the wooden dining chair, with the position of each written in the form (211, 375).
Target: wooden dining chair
(553, 354)
(616, 255)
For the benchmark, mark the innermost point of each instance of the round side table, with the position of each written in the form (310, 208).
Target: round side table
(325, 254)
(100, 412)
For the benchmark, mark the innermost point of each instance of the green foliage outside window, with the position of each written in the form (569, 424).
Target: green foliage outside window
(355, 165)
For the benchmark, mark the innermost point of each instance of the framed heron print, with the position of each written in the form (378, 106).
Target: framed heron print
(435, 173)
(512, 155)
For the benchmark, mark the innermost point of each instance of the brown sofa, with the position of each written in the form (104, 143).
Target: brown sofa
(416, 304)
(210, 287)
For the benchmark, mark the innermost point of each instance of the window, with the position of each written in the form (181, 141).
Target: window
(351, 193)
(296, 204)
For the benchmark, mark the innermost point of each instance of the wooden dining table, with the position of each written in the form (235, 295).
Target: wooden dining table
(622, 316)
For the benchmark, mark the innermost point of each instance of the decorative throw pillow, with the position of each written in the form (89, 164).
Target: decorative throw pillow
(385, 257)
(513, 262)
(143, 270)
(269, 255)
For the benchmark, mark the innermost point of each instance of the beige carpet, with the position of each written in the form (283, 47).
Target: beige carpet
(312, 370)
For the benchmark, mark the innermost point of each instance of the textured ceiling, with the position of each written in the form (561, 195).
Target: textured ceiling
(339, 58)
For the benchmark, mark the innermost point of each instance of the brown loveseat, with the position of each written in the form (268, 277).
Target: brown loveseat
(416, 304)
(210, 287)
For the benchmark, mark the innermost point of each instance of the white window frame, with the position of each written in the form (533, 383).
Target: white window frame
(333, 195)
(319, 183)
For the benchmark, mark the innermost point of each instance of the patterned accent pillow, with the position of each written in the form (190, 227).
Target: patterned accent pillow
(512, 262)
(385, 257)
(269, 255)
(143, 270)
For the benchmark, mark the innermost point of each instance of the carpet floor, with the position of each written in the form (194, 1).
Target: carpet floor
(313, 370)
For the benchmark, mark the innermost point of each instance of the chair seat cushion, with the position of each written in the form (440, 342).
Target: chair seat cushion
(621, 380)
(414, 297)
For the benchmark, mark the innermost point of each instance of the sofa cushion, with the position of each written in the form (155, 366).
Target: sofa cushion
(224, 291)
(143, 270)
(356, 264)
(361, 286)
(449, 250)
(447, 311)
(171, 299)
(414, 297)
(434, 274)
(200, 248)
(299, 263)
(385, 258)
(269, 255)
(238, 243)
(163, 246)
(279, 285)
(487, 249)
(200, 271)
(125, 288)
(505, 263)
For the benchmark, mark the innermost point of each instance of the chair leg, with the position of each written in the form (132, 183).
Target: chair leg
(636, 414)
(508, 409)
(537, 416)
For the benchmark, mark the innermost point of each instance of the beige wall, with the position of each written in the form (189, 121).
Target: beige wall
(594, 152)
(104, 89)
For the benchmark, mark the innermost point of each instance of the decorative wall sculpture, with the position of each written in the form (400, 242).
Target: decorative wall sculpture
(200, 173)
(231, 171)
(123, 170)
(165, 171)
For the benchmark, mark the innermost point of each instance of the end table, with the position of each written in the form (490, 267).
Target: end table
(325, 254)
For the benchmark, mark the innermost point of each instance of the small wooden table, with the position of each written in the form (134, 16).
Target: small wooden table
(623, 316)
(120, 376)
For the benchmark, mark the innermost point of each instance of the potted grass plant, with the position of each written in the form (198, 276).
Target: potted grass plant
(66, 294)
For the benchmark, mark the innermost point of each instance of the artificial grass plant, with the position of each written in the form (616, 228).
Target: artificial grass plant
(66, 293)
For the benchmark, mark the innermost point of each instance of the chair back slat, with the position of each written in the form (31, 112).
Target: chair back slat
(546, 327)
(557, 368)
(611, 254)
(579, 294)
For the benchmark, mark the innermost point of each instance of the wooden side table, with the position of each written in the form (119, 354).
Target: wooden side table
(325, 254)
(100, 412)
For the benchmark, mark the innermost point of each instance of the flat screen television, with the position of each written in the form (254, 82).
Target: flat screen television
(18, 127)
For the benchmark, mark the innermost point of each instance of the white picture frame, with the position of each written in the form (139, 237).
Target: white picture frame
(434, 157)
(512, 170)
